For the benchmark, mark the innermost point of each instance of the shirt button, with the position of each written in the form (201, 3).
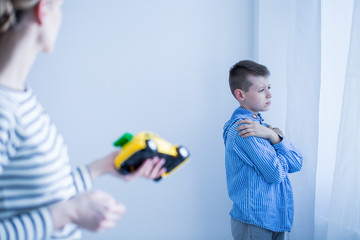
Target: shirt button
(254, 116)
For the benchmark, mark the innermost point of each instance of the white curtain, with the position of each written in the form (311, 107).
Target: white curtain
(303, 80)
(305, 44)
(344, 220)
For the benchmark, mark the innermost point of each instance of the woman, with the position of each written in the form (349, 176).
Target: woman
(40, 196)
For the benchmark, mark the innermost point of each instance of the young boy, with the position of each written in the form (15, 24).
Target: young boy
(258, 159)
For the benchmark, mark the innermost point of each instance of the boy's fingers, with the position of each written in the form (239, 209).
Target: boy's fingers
(244, 132)
(247, 135)
(242, 127)
(247, 132)
(246, 126)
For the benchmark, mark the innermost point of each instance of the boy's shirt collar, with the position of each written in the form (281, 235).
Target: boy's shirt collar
(246, 114)
(239, 114)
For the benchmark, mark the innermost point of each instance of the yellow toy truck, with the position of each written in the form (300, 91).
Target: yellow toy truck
(135, 149)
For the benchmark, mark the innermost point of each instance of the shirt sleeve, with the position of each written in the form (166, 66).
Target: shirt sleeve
(37, 224)
(293, 157)
(273, 162)
(6, 133)
(82, 179)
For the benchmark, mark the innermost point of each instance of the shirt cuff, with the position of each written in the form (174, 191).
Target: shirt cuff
(284, 145)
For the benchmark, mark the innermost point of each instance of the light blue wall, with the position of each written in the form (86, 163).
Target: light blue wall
(127, 66)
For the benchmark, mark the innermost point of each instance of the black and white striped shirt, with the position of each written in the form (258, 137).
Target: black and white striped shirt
(34, 170)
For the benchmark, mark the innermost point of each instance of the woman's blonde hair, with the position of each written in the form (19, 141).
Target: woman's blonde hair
(9, 10)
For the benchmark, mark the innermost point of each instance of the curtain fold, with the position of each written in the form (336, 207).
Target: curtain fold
(344, 220)
(302, 118)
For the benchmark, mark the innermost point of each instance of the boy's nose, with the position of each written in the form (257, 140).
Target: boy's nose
(268, 94)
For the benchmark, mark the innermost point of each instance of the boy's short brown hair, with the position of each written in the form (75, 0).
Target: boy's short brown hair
(238, 74)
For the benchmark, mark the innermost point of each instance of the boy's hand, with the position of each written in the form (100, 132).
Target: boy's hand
(151, 168)
(253, 128)
(277, 130)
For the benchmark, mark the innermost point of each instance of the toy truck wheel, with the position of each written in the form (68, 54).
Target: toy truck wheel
(183, 152)
(151, 145)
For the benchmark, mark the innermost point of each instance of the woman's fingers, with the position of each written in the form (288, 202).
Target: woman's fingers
(150, 168)
(157, 169)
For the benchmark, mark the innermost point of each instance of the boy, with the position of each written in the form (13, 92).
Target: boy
(258, 159)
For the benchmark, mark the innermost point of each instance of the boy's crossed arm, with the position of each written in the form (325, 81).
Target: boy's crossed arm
(273, 160)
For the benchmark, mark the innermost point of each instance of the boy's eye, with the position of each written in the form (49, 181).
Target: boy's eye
(261, 90)
(269, 87)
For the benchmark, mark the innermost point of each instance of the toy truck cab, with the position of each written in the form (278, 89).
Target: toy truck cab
(135, 149)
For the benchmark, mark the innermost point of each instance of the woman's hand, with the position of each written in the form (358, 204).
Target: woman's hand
(151, 168)
(94, 211)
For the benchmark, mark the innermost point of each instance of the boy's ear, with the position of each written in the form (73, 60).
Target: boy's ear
(40, 11)
(239, 95)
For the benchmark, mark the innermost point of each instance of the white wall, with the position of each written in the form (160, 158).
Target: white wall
(151, 65)
(272, 34)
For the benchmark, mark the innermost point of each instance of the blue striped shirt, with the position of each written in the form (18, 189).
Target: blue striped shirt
(34, 170)
(256, 173)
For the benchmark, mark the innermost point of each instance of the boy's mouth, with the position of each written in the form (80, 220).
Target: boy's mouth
(268, 103)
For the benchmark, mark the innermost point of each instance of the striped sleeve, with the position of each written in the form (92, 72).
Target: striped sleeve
(82, 179)
(33, 225)
(259, 153)
(292, 156)
(6, 133)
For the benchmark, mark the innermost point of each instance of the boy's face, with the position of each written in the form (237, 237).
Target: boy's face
(258, 97)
